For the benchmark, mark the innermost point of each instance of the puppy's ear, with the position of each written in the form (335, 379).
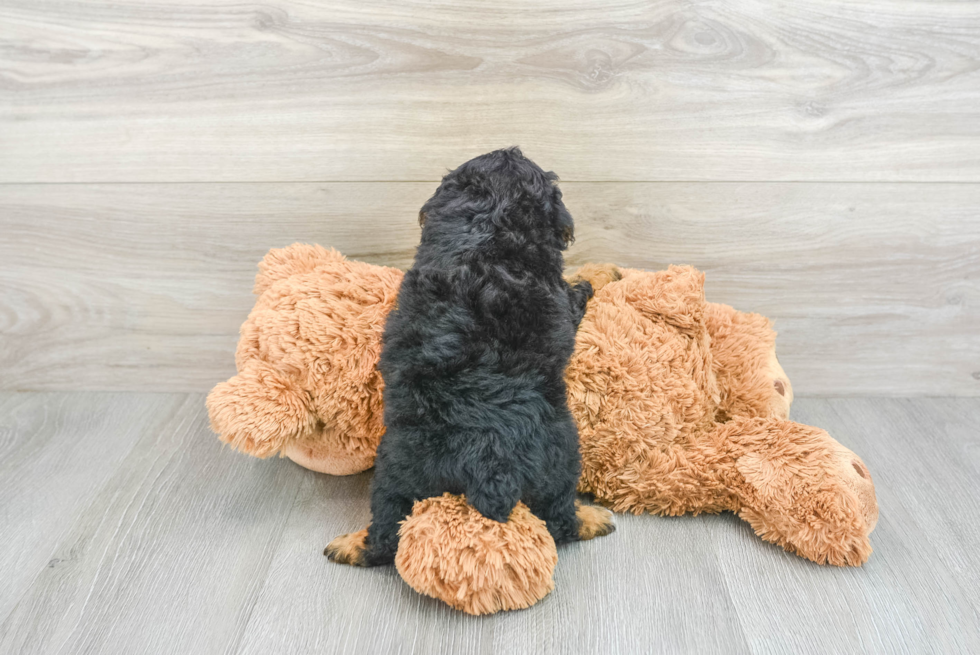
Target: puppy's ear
(565, 227)
(425, 209)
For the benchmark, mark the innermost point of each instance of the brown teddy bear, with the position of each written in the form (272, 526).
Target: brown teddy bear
(681, 405)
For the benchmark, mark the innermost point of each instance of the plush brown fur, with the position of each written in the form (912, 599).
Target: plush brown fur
(743, 352)
(308, 385)
(647, 394)
(449, 551)
(681, 405)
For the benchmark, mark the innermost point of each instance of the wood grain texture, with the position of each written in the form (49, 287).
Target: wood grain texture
(76, 440)
(190, 548)
(168, 557)
(919, 590)
(373, 610)
(874, 288)
(287, 90)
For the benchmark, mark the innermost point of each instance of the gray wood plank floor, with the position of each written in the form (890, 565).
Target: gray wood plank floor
(127, 528)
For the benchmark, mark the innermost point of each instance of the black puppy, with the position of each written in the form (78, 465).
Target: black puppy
(474, 358)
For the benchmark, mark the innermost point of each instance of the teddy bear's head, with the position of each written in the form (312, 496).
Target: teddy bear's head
(308, 385)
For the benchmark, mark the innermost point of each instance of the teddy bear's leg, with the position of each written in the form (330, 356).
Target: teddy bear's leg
(801, 489)
(259, 410)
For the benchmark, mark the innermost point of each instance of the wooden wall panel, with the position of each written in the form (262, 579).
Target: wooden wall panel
(215, 90)
(875, 288)
(820, 161)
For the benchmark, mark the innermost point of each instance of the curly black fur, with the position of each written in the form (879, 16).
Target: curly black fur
(475, 353)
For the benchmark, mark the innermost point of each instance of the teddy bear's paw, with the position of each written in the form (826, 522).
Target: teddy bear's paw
(598, 275)
(847, 548)
(853, 473)
(855, 553)
(593, 521)
(819, 537)
(348, 548)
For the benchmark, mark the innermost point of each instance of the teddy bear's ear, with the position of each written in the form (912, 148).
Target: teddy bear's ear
(281, 263)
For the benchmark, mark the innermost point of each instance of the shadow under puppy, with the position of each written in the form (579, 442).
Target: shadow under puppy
(473, 360)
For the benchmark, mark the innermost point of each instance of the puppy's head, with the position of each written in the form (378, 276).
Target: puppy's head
(500, 193)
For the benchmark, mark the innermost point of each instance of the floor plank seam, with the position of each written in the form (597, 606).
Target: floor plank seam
(239, 645)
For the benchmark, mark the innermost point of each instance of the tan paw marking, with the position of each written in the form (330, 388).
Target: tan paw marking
(347, 548)
(593, 521)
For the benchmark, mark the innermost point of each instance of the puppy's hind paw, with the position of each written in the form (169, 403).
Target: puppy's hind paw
(594, 522)
(347, 548)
